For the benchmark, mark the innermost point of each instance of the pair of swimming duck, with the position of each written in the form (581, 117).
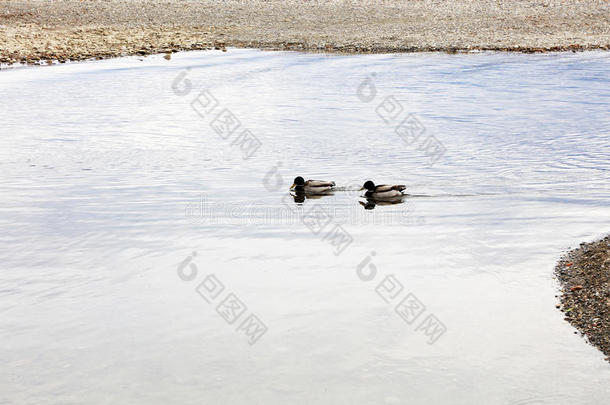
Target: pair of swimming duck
(380, 192)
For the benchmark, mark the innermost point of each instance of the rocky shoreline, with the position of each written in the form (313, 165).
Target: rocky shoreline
(584, 274)
(38, 31)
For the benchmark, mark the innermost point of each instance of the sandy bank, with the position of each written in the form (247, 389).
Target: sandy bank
(37, 30)
(584, 274)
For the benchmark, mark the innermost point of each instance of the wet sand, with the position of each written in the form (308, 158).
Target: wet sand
(36, 30)
(584, 274)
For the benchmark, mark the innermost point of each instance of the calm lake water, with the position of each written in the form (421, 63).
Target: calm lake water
(151, 252)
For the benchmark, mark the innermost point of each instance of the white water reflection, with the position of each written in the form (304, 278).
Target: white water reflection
(101, 160)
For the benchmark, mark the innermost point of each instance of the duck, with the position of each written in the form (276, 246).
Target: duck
(312, 186)
(383, 191)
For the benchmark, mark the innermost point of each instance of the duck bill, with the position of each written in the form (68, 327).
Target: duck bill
(361, 188)
(291, 187)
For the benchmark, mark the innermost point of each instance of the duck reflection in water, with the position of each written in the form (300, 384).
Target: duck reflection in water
(300, 197)
(371, 203)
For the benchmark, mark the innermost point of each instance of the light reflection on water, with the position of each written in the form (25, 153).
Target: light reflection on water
(109, 181)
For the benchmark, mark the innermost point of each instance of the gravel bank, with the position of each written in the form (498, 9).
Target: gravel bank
(584, 274)
(38, 30)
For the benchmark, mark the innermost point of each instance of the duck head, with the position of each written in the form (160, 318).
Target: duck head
(298, 181)
(368, 185)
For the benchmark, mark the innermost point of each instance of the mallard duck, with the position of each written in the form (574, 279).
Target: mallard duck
(382, 191)
(312, 186)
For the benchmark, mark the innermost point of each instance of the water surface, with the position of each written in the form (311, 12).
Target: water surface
(110, 180)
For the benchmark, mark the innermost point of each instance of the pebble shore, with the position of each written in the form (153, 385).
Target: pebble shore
(584, 274)
(37, 31)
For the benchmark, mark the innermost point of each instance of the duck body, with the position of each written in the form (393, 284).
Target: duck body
(383, 191)
(312, 186)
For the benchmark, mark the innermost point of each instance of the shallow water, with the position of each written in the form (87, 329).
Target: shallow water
(110, 180)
